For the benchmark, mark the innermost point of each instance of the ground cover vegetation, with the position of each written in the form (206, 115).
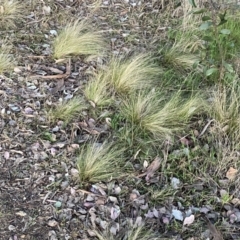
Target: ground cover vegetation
(119, 120)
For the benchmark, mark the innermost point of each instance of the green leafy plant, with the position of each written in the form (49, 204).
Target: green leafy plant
(217, 41)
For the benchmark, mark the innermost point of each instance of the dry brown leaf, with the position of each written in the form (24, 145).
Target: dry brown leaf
(21, 214)
(6, 155)
(58, 76)
(100, 201)
(235, 201)
(231, 173)
(152, 168)
(215, 233)
(133, 196)
(52, 223)
(189, 220)
(55, 70)
(93, 216)
(58, 87)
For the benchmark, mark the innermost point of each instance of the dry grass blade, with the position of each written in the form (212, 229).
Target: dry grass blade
(66, 111)
(215, 233)
(99, 162)
(132, 74)
(77, 38)
(10, 12)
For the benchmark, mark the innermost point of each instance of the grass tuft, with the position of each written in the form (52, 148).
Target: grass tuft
(159, 117)
(10, 12)
(96, 91)
(66, 111)
(6, 60)
(135, 233)
(77, 38)
(181, 55)
(225, 109)
(99, 162)
(129, 75)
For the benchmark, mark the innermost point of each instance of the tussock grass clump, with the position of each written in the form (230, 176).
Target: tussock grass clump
(97, 91)
(66, 111)
(182, 54)
(135, 233)
(78, 38)
(6, 60)
(129, 75)
(158, 117)
(225, 108)
(99, 162)
(10, 12)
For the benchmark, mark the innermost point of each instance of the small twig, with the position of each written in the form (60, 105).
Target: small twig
(37, 57)
(58, 76)
(87, 192)
(205, 128)
(217, 235)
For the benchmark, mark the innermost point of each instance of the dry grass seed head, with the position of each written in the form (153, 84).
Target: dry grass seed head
(78, 38)
(66, 111)
(10, 12)
(159, 117)
(99, 162)
(129, 75)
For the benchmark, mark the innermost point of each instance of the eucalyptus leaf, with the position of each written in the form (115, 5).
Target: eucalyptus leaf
(199, 11)
(229, 67)
(207, 38)
(222, 22)
(58, 204)
(177, 214)
(210, 71)
(225, 31)
(192, 2)
(205, 25)
(206, 18)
